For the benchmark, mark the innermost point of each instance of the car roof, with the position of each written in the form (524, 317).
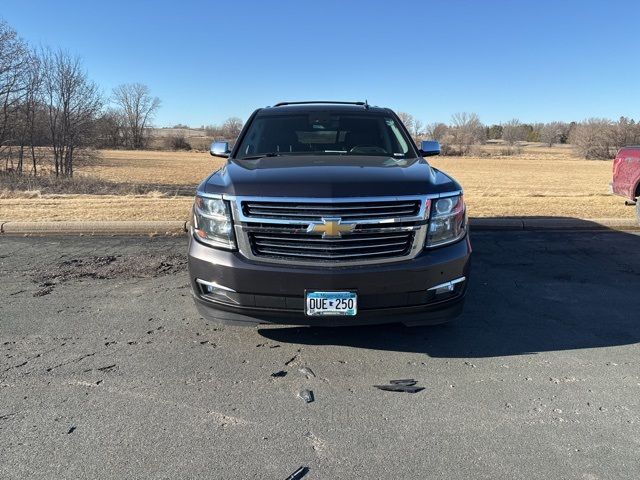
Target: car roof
(300, 108)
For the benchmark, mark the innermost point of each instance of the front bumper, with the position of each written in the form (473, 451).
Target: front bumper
(254, 292)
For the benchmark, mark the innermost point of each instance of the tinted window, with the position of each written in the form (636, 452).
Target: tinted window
(325, 133)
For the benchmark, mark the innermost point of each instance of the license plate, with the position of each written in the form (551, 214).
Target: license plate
(331, 303)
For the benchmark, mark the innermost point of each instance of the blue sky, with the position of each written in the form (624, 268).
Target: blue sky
(207, 60)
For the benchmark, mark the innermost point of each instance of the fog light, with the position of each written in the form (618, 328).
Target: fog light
(213, 291)
(447, 287)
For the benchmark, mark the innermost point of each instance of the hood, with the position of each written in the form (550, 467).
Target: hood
(325, 176)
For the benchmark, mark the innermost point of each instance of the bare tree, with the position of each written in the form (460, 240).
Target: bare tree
(436, 131)
(73, 102)
(466, 131)
(593, 138)
(138, 108)
(415, 127)
(417, 131)
(111, 129)
(407, 119)
(513, 132)
(553, 132)
(13, 64)
(29, 116)
(231, 128)
(625, 132)
(212, 131)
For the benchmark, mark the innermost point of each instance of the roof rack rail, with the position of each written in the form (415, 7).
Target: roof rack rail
(364, 104)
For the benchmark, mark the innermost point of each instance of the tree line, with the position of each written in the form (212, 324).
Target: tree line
(594, 138)
(50, 110)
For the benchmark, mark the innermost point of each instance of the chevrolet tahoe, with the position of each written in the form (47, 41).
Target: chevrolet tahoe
(325, 214)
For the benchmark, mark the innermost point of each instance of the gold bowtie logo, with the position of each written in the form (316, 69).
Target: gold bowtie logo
(331, 227)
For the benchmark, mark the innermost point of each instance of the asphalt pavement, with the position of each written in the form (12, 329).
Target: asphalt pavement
(106, 371)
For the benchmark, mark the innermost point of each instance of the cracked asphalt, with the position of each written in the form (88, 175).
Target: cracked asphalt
(106, 371)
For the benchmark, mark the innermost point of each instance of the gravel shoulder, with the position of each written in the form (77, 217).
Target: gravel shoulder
(106, 371)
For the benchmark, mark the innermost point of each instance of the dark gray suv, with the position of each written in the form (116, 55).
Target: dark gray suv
(326, 213)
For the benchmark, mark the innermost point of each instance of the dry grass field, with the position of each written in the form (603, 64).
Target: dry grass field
(540, 181)
(156, 167)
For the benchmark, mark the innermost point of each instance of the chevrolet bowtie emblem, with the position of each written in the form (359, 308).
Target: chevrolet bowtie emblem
(331, 227)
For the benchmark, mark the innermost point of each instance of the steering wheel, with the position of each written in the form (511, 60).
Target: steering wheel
(367, 149)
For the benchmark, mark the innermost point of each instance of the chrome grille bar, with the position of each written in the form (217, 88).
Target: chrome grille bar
(275, 206)
(317, 216)
(371, 210)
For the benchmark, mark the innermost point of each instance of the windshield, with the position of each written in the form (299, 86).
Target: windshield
(324, 133)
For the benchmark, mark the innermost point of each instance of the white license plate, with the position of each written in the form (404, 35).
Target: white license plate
(331, 303)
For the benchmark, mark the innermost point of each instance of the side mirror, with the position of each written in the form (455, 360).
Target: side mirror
(220, 149)
(429, 148)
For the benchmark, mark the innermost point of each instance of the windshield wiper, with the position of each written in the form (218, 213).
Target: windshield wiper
(262, 155)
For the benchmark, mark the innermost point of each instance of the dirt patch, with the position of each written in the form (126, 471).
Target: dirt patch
(122, 267)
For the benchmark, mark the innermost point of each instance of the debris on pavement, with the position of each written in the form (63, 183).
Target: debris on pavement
(298, 474)
(407, 385)
(306, 371)
(409, 382)
(306, 395)
(400, 388)
(291, 360)
(280, 373)
(71, 430)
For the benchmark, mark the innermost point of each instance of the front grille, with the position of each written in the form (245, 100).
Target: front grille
(353, 246)
(276, 230)
(315, 211)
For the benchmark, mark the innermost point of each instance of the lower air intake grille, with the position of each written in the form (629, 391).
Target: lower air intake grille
(360, 245)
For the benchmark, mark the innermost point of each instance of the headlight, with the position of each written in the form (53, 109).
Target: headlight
(212, 222)
(447, 222)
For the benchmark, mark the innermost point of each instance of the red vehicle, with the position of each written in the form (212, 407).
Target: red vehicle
(626, 175)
